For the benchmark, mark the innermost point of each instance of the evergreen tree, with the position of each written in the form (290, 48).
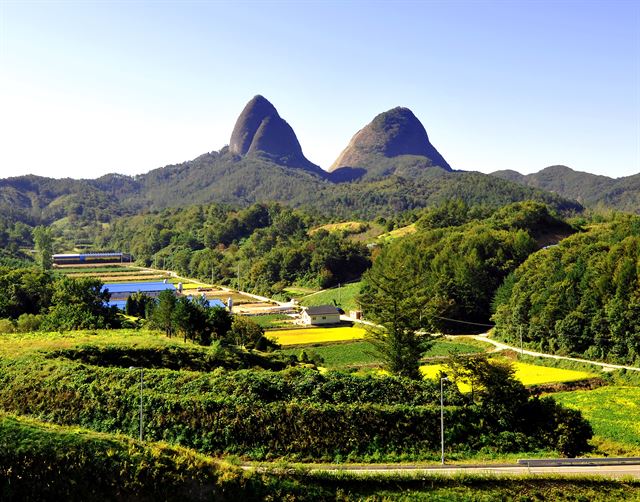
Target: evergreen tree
(393, 298)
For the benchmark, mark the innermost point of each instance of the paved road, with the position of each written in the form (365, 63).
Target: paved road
(503, 346)
(610, 471)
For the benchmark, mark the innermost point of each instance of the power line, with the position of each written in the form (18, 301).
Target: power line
(464, 322)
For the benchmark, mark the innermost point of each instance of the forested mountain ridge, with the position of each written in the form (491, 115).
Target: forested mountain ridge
(264, 163)
(591, 190)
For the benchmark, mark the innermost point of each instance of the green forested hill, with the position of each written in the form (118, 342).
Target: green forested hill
(589, 189)
(580, 297)
(453, 268)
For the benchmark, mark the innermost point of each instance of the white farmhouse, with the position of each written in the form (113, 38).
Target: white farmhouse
(322, 314)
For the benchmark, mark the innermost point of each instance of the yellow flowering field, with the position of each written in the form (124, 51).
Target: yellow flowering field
(528, 374)
(315, 335)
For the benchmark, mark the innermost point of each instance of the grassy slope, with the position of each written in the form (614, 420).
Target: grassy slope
(39, 461)
(343, 296)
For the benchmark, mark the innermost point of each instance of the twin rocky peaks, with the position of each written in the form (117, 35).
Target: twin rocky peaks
(260, 131)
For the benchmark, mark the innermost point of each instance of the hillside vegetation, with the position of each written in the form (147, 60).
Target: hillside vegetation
(578, 298)
(263, 248)
(453, 265)
(42, 462)
(296, 413)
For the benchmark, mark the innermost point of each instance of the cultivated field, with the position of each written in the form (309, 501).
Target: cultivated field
(528, 374)
(307, 336)
(362, 353)
(614, 414)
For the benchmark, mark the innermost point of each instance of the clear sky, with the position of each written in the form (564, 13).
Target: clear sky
(88, 88)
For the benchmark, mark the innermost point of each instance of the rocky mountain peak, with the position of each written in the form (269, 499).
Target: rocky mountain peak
(261, 132)
(390, 134)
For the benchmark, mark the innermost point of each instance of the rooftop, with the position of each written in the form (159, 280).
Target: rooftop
(322, 310)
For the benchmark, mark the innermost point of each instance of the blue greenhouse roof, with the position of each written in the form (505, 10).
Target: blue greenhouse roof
(133, 287)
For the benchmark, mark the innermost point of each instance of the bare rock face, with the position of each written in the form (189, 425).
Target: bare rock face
(261, 132)
(391, 134)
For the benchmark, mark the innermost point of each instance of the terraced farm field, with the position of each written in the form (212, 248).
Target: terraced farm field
(307, 336)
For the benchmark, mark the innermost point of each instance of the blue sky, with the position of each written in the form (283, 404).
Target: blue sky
(88, 88)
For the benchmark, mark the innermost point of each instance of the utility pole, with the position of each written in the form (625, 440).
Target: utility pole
(238, 277)
(521, 345)
(442, 380)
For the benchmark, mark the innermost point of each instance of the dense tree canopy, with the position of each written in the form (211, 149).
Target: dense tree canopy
(581, 297)
(457, 269)
(262, 248)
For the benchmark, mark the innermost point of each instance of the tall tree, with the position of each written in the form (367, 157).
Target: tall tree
(393, 297)
(162, 315)
(43, 241)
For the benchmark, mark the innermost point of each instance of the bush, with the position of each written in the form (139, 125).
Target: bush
(7, 326)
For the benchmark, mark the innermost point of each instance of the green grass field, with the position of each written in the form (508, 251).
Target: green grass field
(16, 344)
(298, 292)
(344, 355)
(614, 414)
(343, 296)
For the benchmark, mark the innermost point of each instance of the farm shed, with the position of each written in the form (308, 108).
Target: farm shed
(322, 314)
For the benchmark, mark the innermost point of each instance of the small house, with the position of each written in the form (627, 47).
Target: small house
(322, 314)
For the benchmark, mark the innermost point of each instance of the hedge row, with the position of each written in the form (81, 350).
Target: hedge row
(173, 357)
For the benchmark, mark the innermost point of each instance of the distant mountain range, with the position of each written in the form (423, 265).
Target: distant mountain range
(388, 166)
(590, 190)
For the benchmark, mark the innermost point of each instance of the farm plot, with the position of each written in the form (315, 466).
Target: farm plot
(220, 294)
(613, 412)
(306, 336)
(109, 269)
